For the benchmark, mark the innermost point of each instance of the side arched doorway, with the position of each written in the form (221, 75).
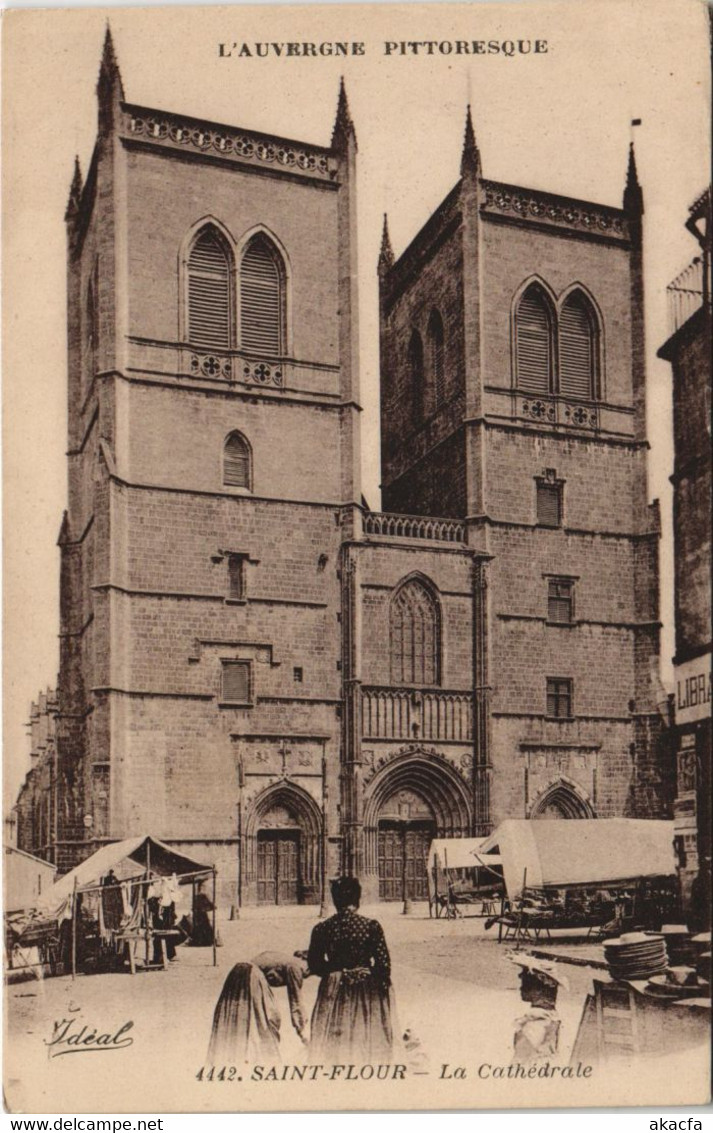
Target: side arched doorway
(413, 799)
(562, 800)
(283, 849)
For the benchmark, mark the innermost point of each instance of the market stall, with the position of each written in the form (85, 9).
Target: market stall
(460, 882)
(594, 874)
(119, 906)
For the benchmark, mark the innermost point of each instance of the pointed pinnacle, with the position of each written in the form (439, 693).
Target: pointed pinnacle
(75, 190)
(470, 158)
(386, 254)
(633, 196)
(343, 125)
(109, 69)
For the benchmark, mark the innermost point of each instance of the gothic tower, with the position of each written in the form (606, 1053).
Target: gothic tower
(213, 474)
(514, 401)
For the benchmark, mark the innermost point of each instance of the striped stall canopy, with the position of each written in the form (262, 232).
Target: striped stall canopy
(576, 340)
(533, 342)
(209, 293)
(261, 298)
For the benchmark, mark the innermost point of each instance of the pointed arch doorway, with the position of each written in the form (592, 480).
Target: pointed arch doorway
(283, 865)
(412, 799)
(406, 828)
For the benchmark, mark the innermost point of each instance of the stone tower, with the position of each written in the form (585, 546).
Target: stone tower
(213, 473)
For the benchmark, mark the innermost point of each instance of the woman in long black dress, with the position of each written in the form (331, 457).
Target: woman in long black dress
(352, 1018)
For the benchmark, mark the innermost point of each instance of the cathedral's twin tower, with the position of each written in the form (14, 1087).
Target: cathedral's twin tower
(255, 667)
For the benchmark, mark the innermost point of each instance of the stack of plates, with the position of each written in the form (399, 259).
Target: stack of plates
(636, 956)
(679, 946)
(666, 988)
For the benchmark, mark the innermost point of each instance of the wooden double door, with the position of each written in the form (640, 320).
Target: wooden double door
(278, 867)
(403, 857)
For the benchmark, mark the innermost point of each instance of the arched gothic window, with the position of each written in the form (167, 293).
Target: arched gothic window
(237, 462)
(534, 326)
(415, 365)
(436, 358)
(578, 347)
(414, 635)
(262, 297)
(209, 291)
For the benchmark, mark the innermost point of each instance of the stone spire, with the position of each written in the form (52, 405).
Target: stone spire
(109, 74)
(386, 253)
(75, 192)
(470, 158)
(633, 196)
(343, 126)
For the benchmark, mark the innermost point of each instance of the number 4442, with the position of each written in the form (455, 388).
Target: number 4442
(217, 1074)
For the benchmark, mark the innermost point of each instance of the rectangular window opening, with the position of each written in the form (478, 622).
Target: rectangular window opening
(235, 682)
(236, 577)
(549, 505)
(560, 601)
(559, 698)
(298, 674)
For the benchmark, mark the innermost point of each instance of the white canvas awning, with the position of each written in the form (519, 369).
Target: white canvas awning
(458, 853)
(597, 851)
(128, 858)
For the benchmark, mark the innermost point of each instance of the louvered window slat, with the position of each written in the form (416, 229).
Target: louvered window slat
(576, 340)
(261, 299)
(549, 505)
(236, 462)
(236, 681)
(560, 602)
(559, 697)
(209, 320)
(533, 344)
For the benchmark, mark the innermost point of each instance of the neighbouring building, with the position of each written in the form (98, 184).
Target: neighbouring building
(255, 666)
(26, 879)
(688, 349)
(34, 818)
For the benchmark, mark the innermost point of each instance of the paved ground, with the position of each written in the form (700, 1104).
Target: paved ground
(454, 987)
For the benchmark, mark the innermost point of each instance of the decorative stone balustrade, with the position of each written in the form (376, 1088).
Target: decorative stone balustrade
(389, 525)
(406, 714)
(157, 126)
(554, 411)
(547, 208)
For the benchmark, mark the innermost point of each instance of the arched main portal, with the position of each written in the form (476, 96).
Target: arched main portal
(412, 800)
(283, 865)
(405, 829)
(562, 800)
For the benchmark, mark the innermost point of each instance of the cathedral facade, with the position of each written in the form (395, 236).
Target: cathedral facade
(254, 666)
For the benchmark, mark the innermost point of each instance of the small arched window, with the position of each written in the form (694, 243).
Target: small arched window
(415, 366)
(533, 342)
(90, 333)
(237, 462)
(414, 635)
(436, 358)
(578, 346)
(262, 297)
(209, 291)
